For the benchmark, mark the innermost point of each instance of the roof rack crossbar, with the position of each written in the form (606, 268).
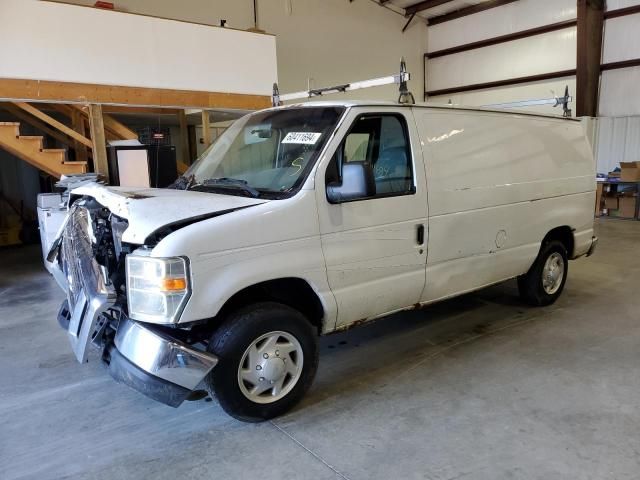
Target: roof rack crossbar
(400, 78)
(555, 101)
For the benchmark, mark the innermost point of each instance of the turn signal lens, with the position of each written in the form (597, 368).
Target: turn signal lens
(173, 284)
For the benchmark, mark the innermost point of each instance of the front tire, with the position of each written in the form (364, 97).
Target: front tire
(544, 282)
(268, 357)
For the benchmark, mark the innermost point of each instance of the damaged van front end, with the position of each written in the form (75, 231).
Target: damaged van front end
(125, 302)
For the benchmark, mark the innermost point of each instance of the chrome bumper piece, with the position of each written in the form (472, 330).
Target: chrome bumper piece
(161, 355)
(89, 290)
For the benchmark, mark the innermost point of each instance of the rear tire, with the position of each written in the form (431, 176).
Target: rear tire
(268, 357)
(544, 282)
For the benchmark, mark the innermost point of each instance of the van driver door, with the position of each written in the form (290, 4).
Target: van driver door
(375, 247)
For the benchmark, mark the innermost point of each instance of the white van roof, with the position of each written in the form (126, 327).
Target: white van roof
(377, 103)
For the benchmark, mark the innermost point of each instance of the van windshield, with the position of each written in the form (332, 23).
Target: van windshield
(266, 154)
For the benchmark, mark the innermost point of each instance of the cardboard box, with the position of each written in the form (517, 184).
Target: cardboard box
(611, 203)
(599, 199)
(630, 171)
(627, 207)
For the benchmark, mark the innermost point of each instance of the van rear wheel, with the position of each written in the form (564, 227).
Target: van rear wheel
(544, 282)
(268, 357)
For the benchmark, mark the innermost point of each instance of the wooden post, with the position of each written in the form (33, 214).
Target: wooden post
(589, 54)
(78, 125)
(184, 138)
(206, 128)
(96, 125)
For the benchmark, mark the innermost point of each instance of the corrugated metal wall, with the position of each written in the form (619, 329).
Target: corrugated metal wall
(617, 140)
(549, 52)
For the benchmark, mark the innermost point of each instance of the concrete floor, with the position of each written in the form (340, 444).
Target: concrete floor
(480, 387)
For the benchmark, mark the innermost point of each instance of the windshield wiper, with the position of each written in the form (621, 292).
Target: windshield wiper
(226, 182)
(183, 183)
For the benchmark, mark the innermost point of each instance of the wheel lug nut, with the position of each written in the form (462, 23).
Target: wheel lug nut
(277, 353)
(266, 355)
(258, 367)
(273, 381)
(262, 379)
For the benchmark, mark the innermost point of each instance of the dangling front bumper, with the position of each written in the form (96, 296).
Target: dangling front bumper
(156, 364)
(142, 356)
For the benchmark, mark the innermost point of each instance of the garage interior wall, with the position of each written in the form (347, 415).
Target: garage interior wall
(329, 41)
(616, 131)
(618, 127)
(548, 52)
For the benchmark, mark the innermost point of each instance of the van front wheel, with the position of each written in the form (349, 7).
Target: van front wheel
(267, 359)
(544, 282)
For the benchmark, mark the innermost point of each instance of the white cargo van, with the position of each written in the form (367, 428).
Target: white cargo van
(307, 219)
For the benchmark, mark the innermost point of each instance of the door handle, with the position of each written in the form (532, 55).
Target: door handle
(420, 234)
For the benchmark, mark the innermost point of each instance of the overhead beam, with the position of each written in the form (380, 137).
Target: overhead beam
(66, 92)
(634, 62)
(503, 38)
(463, 12)
(53, 122)
(502, 83)
(425, 5)
(589, 53)
(621, 12)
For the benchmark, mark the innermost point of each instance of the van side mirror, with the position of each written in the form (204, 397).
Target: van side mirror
(357, 183)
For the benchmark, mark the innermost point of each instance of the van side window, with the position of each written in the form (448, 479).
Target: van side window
(381, 140)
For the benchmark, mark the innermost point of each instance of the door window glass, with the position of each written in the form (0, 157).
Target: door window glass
(381, 140)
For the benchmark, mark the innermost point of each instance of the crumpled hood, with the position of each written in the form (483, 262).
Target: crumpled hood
(148, 209)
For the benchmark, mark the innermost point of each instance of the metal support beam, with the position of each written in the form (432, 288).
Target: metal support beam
(503, 38)
(96, 125)
(425, 5)
(463, 12)
(502, 83)
(408, 22)
(589, 53)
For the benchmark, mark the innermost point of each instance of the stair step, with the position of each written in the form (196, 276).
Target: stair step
(74, 162)
(54, 150)
(12, 127)
(37, 140)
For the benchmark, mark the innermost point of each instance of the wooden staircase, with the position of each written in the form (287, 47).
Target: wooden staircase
(30, 149)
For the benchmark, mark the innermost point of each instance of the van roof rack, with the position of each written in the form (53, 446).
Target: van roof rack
(401, 78)
(555, 101)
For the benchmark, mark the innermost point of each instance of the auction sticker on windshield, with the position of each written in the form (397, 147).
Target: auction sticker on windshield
(306, 138)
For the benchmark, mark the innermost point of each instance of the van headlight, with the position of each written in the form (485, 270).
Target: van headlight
(157, 288)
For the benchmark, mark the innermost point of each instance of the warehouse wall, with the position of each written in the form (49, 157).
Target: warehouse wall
(40, 41)
(619, 88)
(330, 41)
(549, 52)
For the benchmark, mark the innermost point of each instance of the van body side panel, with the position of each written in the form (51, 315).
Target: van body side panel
(498, 183)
